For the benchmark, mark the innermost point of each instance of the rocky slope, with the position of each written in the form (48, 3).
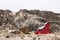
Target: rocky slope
(28, 20)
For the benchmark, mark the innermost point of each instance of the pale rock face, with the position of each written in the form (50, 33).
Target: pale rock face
(26, 20)
(13, 13)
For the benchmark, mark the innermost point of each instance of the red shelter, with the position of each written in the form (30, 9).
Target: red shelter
(44, 29)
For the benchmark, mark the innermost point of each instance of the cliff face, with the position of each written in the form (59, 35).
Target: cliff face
(28, 18)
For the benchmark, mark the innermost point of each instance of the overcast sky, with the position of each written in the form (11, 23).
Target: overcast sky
(15, 5)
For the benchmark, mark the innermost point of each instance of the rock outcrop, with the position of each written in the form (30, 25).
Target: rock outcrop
(28, 19)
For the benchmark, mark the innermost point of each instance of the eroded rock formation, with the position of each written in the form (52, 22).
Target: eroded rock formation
(28, 19)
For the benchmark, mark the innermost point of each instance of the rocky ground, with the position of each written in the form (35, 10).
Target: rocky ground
(30, 36)
(27, 21)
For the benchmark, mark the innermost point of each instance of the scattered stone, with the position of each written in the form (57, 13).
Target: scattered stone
(7, 36)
